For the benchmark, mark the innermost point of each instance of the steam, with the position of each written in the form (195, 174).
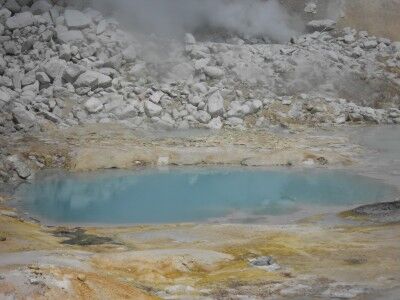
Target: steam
(248, 18)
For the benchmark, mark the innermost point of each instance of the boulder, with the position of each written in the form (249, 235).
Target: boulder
(13, 6)
(54, 68)
(152, 109)
(75, 19)
(40, 7)
(93, 105)
(93, 80)
(321, 25)
(23, 117)
(71, 73)
(5, 14)
(69, 36)
(129, 54)
(19, 166)
(42, 78)
(4, 98)
(215, 124)
(215, 104)
(20, 20)
(214, 72)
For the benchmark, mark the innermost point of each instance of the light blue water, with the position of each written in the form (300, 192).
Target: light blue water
(153, 196)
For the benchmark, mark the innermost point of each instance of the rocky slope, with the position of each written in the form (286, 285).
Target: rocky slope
(61, 66)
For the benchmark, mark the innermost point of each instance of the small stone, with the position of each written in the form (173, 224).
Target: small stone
(81, 277)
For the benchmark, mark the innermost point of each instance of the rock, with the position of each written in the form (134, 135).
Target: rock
(4, 98)
(129, 54)
(11, 48)
(74, 19)
(311, 8)
(152, 109)
(214, 72)
(5, 14)
(321, 25)
(72, 72)
(70, 36)
(54, 68)
(19, 166)
(20, 20)
(202, 116)
(13, 6)
(23, 117)
(264, 262)
(156, 97)
(81, 277)
(370, 44)
(215, 105)
(215, 124)
(93, 105)
(190, 39)
(349, 38)
(40, 7)
(343, 291)
(65, 52)
(88, 79)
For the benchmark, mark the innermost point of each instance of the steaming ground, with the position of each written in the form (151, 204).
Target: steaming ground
(249, 18)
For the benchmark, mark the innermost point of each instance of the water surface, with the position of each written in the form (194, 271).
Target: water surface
(182, 195)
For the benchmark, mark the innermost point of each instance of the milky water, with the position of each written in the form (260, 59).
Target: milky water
(187, 195)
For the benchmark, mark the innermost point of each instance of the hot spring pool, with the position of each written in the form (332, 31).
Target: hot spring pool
(182, 195)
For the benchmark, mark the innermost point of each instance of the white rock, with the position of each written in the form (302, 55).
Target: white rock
(4, 14)
(88, 79)
(215, 104)
(202, 116)
(129, 54)
(214, 72)
(55, 68)
(20, 20)
(75, 19)
(93, 105)
(349, 38)
(42, 77)
(23, 117)
(189, 39)
(156, 97)
(152, 109)
(13, 6)
(215, 124)
(370, 44)
(40, 7)
(69, 36)
(19, 166)
(321, 25)
(72, 72)
(4, 98)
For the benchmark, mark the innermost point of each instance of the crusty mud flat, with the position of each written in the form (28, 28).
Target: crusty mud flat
(95, 85)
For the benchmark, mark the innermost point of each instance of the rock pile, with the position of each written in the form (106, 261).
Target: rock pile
(63, 66)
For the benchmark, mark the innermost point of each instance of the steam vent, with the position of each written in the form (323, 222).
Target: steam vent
(200, 149)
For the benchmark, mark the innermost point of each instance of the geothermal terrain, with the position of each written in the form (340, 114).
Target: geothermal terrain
(92, 85)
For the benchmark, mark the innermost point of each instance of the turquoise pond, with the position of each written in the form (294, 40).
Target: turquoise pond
(187, 195)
